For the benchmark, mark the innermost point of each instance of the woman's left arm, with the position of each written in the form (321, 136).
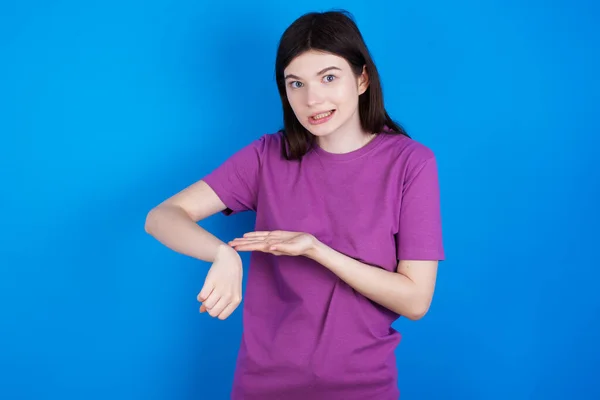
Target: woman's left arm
(408, 291)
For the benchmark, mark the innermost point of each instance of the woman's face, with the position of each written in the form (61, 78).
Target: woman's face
(323, 92)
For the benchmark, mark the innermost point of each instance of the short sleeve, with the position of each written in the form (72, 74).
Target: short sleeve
(236, 180)
(420, 226)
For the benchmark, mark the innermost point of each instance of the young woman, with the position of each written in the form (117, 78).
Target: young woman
(348, 228)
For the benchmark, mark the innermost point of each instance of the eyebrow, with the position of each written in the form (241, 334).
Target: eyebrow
(318, 73)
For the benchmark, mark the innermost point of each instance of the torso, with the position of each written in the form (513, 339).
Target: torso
(306, 332)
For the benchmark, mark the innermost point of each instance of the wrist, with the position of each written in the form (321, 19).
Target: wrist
(224, 250)
(315, 250)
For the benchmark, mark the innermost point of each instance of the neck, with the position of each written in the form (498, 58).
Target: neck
(348, 137)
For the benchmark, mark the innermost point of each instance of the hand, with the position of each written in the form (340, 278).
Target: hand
(222, 290)
(276, 242)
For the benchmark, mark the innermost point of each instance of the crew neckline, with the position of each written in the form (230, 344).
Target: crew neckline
(351, 155)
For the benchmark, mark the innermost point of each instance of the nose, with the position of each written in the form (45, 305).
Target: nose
(314, 96)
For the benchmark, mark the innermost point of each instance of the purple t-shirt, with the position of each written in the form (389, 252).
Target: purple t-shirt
(307, 334)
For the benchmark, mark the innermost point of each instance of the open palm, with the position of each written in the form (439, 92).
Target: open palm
(275, 242)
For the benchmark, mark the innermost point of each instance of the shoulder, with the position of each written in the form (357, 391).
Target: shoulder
(260, 146)
(267, 141)
(413, 166)
(407, 152)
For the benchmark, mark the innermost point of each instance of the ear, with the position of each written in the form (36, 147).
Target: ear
(363, 81)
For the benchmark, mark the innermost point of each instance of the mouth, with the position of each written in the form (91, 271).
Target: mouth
(321, 117)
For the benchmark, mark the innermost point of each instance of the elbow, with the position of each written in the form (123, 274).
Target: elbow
(150, 218)
(418, 311)
(415, 315)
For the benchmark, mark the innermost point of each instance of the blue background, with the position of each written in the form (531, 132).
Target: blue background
(107, 108)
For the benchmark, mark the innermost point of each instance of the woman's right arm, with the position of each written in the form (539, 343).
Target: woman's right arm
(174, 224)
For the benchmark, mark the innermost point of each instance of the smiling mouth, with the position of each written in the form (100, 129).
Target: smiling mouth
(321, 117)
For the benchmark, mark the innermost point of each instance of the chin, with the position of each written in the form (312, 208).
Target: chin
(319, 132)
(324, 129)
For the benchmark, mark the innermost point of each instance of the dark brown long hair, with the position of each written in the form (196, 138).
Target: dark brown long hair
(333, 32)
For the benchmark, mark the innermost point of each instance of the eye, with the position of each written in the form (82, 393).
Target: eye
(329, 78)
(295, 84)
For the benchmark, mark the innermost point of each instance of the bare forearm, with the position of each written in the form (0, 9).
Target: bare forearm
(171, 226)
(390, 289)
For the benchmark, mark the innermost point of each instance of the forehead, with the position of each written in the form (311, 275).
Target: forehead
(310, 62)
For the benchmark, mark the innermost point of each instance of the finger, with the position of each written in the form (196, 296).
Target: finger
(236, 242)
(262, 247)
(228, 311)
(270, 234)
(257, 246)
(205, 292)
(203, 308)
(257, 242)
(219, 307)
(252, 239)
(249, 248)
(211, 301)
(257, 234)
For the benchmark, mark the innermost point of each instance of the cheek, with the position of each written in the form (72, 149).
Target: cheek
(294, 100)
(345, 95)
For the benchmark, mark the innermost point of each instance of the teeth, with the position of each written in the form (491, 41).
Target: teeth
(323, 115)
